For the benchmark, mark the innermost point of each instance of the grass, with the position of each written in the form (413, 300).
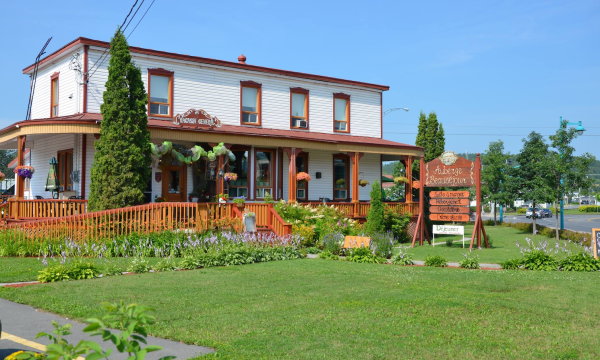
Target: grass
(15, 269)
(503, 245)
(322, 309)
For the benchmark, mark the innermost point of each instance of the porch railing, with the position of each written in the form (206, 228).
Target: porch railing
(141, 219)
(21, 209)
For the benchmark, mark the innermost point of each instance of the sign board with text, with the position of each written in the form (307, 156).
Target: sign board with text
(449, 194)
(450, 170)
(449, 230)
(196, 119)
(449, 202)
(449, 210)
(449, 217)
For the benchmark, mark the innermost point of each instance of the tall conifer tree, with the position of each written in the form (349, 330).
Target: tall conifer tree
(121, 167)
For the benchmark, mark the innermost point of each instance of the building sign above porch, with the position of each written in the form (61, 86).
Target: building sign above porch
(196, 119)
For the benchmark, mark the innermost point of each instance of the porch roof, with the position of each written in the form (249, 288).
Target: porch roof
(89, 123)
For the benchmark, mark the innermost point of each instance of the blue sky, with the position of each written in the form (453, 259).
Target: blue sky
(488, 68)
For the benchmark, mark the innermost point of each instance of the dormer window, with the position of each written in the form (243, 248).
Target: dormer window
(160, 95)
(250, 103)
(54, 95)
(341, 112)
(299, 108)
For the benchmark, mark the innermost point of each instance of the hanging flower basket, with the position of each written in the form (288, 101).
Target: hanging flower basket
(302, 176)
(416, 184)
(2, 176)
(363, 183)
(400, 179)
(25, 171)
(240, 202)
(230, 176)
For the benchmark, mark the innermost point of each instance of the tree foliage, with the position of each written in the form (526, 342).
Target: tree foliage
(375, 221)
(568, 172)
(529, 181)
(121, 166)
(493, 175)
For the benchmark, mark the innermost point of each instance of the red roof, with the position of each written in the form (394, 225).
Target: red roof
(198, 59)
(87, 118)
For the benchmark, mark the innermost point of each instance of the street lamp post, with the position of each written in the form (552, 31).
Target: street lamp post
(392, 110)
(580, 130)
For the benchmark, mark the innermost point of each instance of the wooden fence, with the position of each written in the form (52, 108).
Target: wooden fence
(141, 219)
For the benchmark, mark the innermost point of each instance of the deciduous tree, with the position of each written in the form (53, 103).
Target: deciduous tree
(493, 174)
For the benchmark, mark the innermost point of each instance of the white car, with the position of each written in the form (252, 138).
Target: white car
(529, 213)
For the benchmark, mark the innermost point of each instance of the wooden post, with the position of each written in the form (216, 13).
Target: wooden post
(355, 159)
(408, 187)
(422, 198)
(83, 163)
(20, 162)
(220, 181)
(478, 228)
(292, 183)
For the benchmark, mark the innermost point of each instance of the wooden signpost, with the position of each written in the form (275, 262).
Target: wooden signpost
(450, 170)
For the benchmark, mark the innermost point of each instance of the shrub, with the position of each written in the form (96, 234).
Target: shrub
(166, 264)
(139, 265)
(403, 257)
(486, 209)
(312, 250)
(112, 269)
(512, 264)
(435, 261)
(539, 260)
(521, 211)
(382, 244)
(375, 221)
(188, 263)
(80, 270)
(306, 233)
(469, 262)
(328, 255)
(333, 242)
(364, 255)
(582, 261)
(53, 273)
(589, 208)
(449, 242)
(396, 223)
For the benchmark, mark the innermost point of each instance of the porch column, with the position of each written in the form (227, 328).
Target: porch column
(355, 159)
(220, 165)
(408, 187)
(292, 183)
(20, 162)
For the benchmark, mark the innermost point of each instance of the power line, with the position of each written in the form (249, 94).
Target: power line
(136, 25)
(136, 11)
(104, 55)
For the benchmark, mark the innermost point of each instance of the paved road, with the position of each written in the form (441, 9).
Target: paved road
(21, 323)
(583, 223)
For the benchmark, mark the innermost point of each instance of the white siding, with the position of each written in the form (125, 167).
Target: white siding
(322, 161)
(43, 150)
(217, 91)
(67, 85)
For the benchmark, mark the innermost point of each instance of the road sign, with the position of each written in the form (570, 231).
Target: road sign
(450, 202)
(449, 194)
(449, 217)
(449, 210)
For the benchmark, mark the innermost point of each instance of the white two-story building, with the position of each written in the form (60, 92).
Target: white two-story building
(276, 122)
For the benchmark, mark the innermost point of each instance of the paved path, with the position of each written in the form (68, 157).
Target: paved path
(582, 223)
(422, 263)
(21, 323)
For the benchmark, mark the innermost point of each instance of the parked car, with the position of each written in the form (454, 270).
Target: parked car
(585, 202)
(529, 213)
(546, 213)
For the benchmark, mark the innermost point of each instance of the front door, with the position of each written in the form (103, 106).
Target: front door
(174, 183)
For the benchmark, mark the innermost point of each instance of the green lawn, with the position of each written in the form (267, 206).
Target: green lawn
(503, 245)
(14, 269)
(323, 309)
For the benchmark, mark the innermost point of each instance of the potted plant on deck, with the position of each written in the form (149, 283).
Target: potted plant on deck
(250, 222)
(222, 198)
(230, 176)
(240, 202)
(193, 197)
